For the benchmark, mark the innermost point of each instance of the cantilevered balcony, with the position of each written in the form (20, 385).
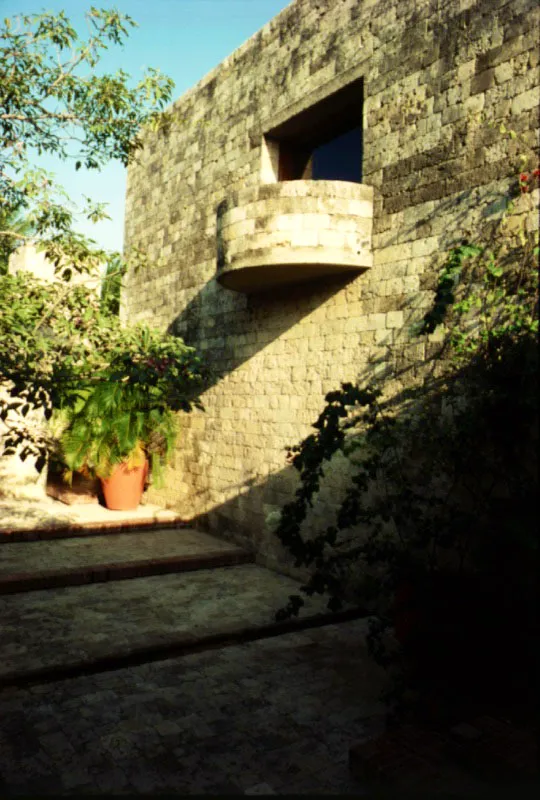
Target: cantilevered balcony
(292, 232)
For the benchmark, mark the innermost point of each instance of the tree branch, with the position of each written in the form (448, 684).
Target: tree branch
(12, 233)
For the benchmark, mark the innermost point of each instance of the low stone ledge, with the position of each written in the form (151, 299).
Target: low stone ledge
(101, 573)
(82, 490)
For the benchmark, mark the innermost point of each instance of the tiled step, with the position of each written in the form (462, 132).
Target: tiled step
(32, 565)
(58, 633)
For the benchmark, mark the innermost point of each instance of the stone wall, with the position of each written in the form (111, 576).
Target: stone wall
(438, 79)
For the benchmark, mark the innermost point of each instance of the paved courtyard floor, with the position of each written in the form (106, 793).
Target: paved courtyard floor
(273, 716)
(81, 712)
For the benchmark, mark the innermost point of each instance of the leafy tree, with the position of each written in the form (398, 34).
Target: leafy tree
(56, 339)
(13, 221)
(53, 101)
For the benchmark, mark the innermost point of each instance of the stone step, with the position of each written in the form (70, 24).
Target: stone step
(45, 564)
(24, 520)
(51, 634)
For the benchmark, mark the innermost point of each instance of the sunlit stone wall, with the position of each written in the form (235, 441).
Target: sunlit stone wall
(438, 80)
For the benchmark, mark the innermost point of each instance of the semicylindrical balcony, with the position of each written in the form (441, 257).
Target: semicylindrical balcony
(293, 231)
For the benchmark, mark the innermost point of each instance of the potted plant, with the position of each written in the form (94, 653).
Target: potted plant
(123, 422)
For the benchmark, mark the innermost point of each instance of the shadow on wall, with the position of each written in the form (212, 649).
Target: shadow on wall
(464, 494)
(454, 218)
(229, 328)
(250, 515)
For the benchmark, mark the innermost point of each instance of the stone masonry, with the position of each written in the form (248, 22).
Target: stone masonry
(429, 82)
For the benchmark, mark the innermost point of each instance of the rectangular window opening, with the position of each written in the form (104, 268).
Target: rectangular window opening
(324, 142)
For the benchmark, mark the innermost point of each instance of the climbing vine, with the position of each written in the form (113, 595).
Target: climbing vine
(446, 484)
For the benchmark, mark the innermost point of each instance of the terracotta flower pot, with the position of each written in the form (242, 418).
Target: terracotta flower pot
(124, 488)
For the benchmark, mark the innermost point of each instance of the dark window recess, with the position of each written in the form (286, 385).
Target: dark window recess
(340, 159)
(324, 142)
(294, 161)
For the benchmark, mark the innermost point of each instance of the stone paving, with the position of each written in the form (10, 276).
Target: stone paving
(273, 716)
(107, 548)
(276, 716)
(58, 627)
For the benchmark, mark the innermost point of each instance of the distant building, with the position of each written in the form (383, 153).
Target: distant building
(28, 258)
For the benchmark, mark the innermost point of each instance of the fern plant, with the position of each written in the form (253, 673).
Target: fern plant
(127, 413)
(114, 425)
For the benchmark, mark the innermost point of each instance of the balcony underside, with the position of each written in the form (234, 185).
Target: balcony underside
(259, 275)
(293, 232)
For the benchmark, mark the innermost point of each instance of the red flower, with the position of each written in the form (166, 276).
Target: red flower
(523, 182)
(536, 173)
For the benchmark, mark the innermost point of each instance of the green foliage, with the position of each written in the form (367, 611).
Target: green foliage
(127, 410)
(51, 336)
(445, 294)
(60, 343)
(61, 352)
(111, 287)
(487, 294)
(13, 221)
(442, 480)
(53, 100)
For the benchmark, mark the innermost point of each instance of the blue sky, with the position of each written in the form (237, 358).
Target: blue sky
(183, 38)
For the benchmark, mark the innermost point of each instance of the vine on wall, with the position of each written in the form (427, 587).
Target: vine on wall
(442, 487)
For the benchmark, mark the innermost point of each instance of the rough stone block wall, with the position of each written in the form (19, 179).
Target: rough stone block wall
(438, 79)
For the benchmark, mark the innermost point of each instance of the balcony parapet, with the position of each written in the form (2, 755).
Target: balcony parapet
(293, 231)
